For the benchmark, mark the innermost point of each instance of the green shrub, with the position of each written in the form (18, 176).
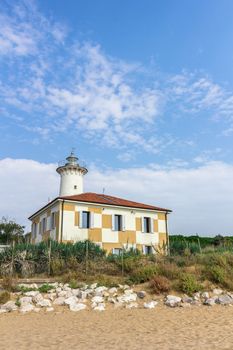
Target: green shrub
(217, 274)
(189, 284)
(45, 288)
(25, 289)
(4, 297)
(160, 284)
(57, 266)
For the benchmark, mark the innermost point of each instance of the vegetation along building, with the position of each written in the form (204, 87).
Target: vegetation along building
(109, 221)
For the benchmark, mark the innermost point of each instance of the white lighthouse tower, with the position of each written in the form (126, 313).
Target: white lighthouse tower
(71, 176)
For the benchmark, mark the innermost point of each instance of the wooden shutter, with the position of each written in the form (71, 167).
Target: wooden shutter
(80, 219)
(151, 225)
(142, 222)
(123, 222)
(92, 216)
(113, 222)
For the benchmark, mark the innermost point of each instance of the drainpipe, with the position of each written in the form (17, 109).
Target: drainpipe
(167, 235)
(62, 211)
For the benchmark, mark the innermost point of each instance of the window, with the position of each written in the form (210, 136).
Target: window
(86, 219)
(117, 251)
(148, 249)
(44, 225)
(53, 221)
(147, 225)
(117, 222)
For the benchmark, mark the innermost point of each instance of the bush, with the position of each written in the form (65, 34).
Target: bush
(45, 288)
(160, 284)
(143, 274)
(189, 284)
(217, 274)
(4, 297)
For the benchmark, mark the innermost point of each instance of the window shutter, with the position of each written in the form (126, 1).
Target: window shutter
(113, 222)
(142, 222)
(123, 222)
(91, 219)
(80, 219)
(144, 249)
(151, 225)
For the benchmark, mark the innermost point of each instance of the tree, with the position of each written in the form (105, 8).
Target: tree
(10, 231)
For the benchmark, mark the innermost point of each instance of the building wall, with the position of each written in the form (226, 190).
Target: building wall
(38, 233)
(69, 229)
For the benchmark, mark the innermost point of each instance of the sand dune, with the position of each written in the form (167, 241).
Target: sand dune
(162, 328)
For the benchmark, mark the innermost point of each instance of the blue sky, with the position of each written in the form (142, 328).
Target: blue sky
(141, 87)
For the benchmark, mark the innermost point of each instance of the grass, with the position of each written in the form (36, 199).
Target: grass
(187, 270)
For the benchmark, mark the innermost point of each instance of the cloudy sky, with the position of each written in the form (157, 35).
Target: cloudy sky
(142, 89)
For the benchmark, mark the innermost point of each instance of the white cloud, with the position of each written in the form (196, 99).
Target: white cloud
(201, 198)
(24, 29)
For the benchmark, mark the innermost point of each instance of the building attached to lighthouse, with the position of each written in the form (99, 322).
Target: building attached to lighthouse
(113, 223)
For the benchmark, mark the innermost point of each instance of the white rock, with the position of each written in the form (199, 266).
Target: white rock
(100, 307)
(44, 303)
(51, 296)
(210, 301)
(71, 300)
(67, 288)
(49, 309)
(224, 299)
(10, 306)
(99, 290)
(65, 294)
(131, 306)
(125, 286)
(127, 298)
(128, 291)
(75, 292)
(3, 311)
(93, 305)
(82, 294)
(172, 301)
(25, 300)
(174, 298)
(93, 285)
(38, 297)
(97, 299)
(150, 304)
(77, 307)
(205, 295)
(26, 308)
(59, 301)
(217, 291)
(112, 290)
(32, 293)
(58, 289)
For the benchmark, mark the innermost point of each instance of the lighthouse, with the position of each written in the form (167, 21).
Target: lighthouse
(71, 182)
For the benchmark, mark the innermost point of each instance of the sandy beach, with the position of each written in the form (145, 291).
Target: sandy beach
(162, 328)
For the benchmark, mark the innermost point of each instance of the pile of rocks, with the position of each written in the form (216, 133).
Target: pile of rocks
(217, 296)
(76, 299)
(97, 298)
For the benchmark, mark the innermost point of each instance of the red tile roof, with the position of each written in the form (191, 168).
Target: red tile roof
(110, 200)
